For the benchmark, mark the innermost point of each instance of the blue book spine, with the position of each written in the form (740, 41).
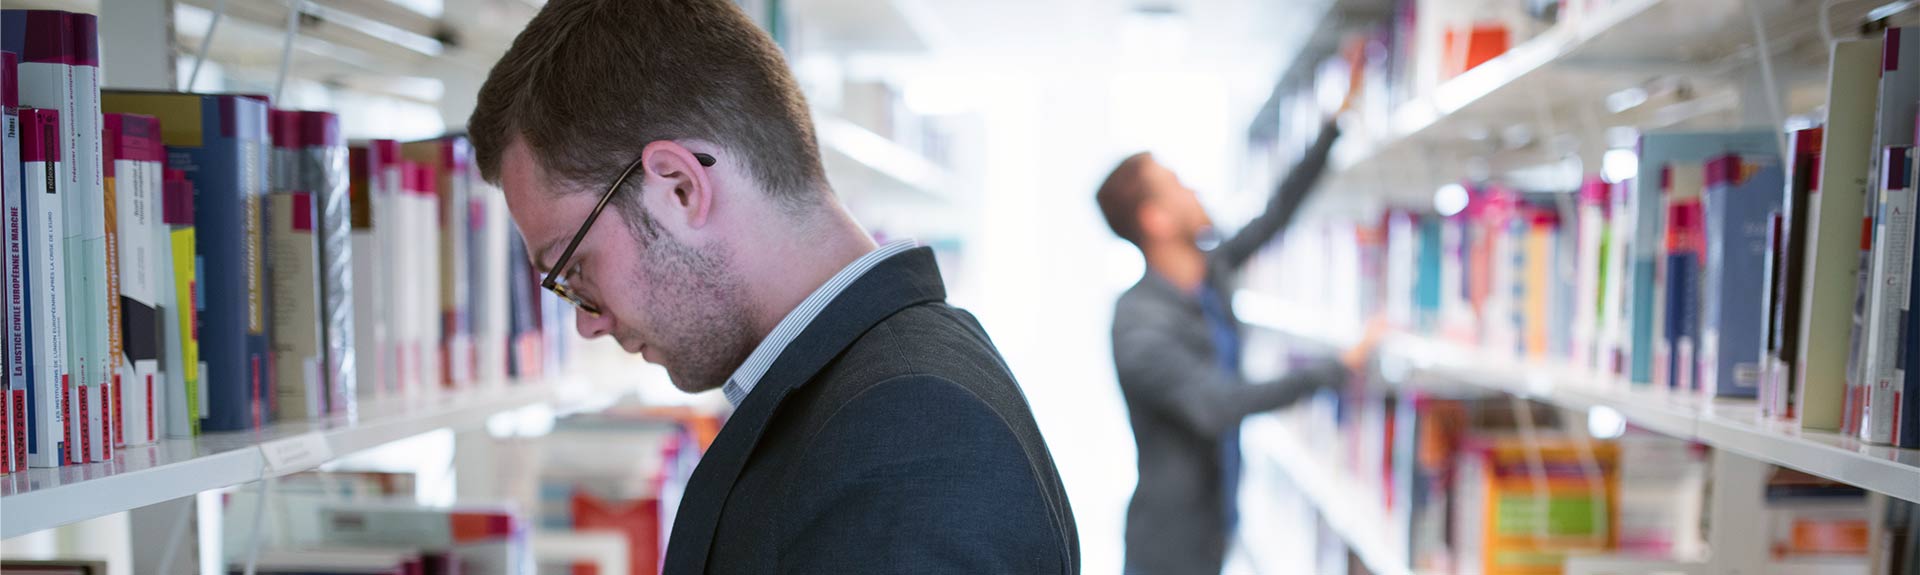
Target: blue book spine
(230, 180)
(1683, 318)
(1742, 194)
(1427, 281)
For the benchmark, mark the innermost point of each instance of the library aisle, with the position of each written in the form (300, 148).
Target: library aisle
(1402, 287)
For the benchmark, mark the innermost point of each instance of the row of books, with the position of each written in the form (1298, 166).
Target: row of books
(1723, 268)
(1492, 486)
(179, 263)
(370, 522)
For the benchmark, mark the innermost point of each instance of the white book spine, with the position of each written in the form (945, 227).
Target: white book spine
(1892, 254)
(13, 394)
(137, 190)
(1587, 286)
(1893, 244)
(44, 260)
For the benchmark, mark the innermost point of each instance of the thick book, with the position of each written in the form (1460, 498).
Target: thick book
(1681, 293)
(446, 165)
(322, 171)
(13, 393)
(1656, 151)
(180, 307)
(1884, 379)
(1742, 193)
(1789, 276)
(38, 247)
(294, 278)
(135, 184)
(220, 142)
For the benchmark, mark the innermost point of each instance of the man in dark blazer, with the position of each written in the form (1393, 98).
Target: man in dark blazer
(1176, 350)
(876, 429)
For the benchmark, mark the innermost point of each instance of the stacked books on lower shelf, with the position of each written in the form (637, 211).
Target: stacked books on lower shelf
(366, 522)
(1499, 486)
(181, 263)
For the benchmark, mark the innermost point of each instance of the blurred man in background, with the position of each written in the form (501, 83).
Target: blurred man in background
(1176, 349)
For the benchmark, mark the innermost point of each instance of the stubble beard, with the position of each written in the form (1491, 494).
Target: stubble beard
(699, 312)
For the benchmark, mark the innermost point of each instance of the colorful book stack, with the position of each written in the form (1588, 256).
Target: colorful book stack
(179, 263)
(221, 143)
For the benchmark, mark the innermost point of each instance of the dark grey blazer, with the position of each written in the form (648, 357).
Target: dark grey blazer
(889, 437)
(1182, 403)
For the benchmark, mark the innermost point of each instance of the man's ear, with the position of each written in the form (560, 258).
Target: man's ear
(679, 186)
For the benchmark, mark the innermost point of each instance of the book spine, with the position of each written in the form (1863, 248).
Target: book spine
(1748, 190)
(1907, 402)
(371, 316)
(101, 331)
(323, 172)
(136, 191)
(229, 181)
(179, 311)
(14, 391)
(1893, 249)
(1590, 229)
(13, 395)
(1682, 292)
(1771, 400)
(1796, 222)
(296, 314)
(42, 254)
(1619, 244)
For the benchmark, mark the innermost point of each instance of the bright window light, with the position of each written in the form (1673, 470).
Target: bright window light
(1619, 165)
(1450, 199)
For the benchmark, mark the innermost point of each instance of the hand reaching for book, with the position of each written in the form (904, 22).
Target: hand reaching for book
(1359, 357)
(1356, 56)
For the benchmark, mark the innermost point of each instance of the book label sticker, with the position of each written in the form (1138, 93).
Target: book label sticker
(297, 453)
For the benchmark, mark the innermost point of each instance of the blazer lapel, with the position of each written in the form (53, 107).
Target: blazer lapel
(905, 280)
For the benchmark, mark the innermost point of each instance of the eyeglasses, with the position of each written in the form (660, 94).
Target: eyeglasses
(556, 276)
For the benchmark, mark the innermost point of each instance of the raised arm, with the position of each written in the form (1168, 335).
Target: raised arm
(1158, 372)
(1292, 191)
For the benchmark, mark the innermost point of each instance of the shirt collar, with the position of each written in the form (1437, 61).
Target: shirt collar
(749, 373)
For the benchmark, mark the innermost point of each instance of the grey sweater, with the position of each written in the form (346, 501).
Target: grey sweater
(1182, 403)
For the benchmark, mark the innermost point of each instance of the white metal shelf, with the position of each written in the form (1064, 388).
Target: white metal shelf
(43, 498)
(1357, 518)
(1558, 81)
(877, 163)
(1732, 425)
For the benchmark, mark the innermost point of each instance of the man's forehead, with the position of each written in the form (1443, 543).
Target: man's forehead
(535, 209)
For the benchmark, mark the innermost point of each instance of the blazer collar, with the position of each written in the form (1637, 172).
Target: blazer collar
(905, 280)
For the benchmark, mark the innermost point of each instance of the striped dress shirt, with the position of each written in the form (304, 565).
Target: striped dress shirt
(748, 374)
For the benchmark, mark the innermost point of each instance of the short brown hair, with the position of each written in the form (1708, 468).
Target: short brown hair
(1122, 193)
(589, 83)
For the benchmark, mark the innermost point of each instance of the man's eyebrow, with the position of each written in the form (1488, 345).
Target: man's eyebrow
(540, 257)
